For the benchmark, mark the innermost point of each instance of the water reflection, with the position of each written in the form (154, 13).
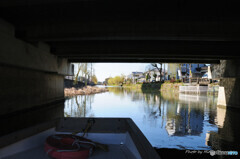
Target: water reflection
(79, 106)
(167, 120)
(184, 120)
(227, 137)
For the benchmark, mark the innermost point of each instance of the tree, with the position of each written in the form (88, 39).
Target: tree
(158, 66)
(117, 80)
(155, 76)
(94, 79)
(148, 70)
(148, 77)
(82, 67)
(85, 72)
(76, 77)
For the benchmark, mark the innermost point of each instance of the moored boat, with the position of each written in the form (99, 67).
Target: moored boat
(121, 136)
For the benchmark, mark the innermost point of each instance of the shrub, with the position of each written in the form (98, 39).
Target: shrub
(178, 81)
(172, 80)
(168, 81)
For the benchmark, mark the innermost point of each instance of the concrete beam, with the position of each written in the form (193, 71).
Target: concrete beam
(177, 28)
(17, 53)
(128, 50)
(65, 30)
(139, 59)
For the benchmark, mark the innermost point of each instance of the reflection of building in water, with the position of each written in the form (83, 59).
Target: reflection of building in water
(212, 138)
(203, 102)
(221, 113)
(185, 118)
(227, 137)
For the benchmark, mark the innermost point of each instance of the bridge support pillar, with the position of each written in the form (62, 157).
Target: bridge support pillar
(229, 73)
(31, 77)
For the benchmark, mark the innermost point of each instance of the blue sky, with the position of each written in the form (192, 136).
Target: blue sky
(105, 70)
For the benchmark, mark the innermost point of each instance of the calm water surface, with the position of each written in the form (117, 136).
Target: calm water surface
(167, 120)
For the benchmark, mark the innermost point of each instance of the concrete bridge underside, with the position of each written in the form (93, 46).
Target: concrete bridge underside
(39, 39)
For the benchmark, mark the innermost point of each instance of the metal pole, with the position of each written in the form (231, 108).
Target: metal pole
(190, 73)
(163, 71)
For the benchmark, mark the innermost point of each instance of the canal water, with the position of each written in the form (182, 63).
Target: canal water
(167, 120)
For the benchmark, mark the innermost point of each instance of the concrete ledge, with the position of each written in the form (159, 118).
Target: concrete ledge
(193, 89)
(15, 52)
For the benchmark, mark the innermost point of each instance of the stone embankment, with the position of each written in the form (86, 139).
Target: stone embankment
(84, 91)
(171, 87)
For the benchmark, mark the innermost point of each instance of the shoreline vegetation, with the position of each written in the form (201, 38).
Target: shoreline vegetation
(168, 87)
(144, 86)
(174, 87)
(87, 90)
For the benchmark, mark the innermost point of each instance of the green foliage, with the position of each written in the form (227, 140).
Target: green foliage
(173, 81)
(178, 81)
(94, 79)
(167, 81)
(129, 81)
(155, 75)
(148, 77)
(117, 80)
(83, 68)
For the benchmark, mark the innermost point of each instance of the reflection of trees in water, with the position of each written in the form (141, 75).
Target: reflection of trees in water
(153, 106)
(116, 90)
(149, 100)
(135, 94)
(79, 106)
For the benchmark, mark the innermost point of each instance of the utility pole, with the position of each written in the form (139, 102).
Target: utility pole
(164, 71)
(91, 73)
(190, 73)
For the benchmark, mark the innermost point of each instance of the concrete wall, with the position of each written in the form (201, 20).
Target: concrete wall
(17, 53)
(22, 88)
(229, 73)
(193, 89)
(30, 75)
(229, 92)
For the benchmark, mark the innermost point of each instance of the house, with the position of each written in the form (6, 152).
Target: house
(141, 79)
(135, 76)
(173, 71)
(197, 70)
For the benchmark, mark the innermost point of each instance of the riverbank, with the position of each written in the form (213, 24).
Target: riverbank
(84, 91)
(144, 86)
(170, 87)
(174, 88)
